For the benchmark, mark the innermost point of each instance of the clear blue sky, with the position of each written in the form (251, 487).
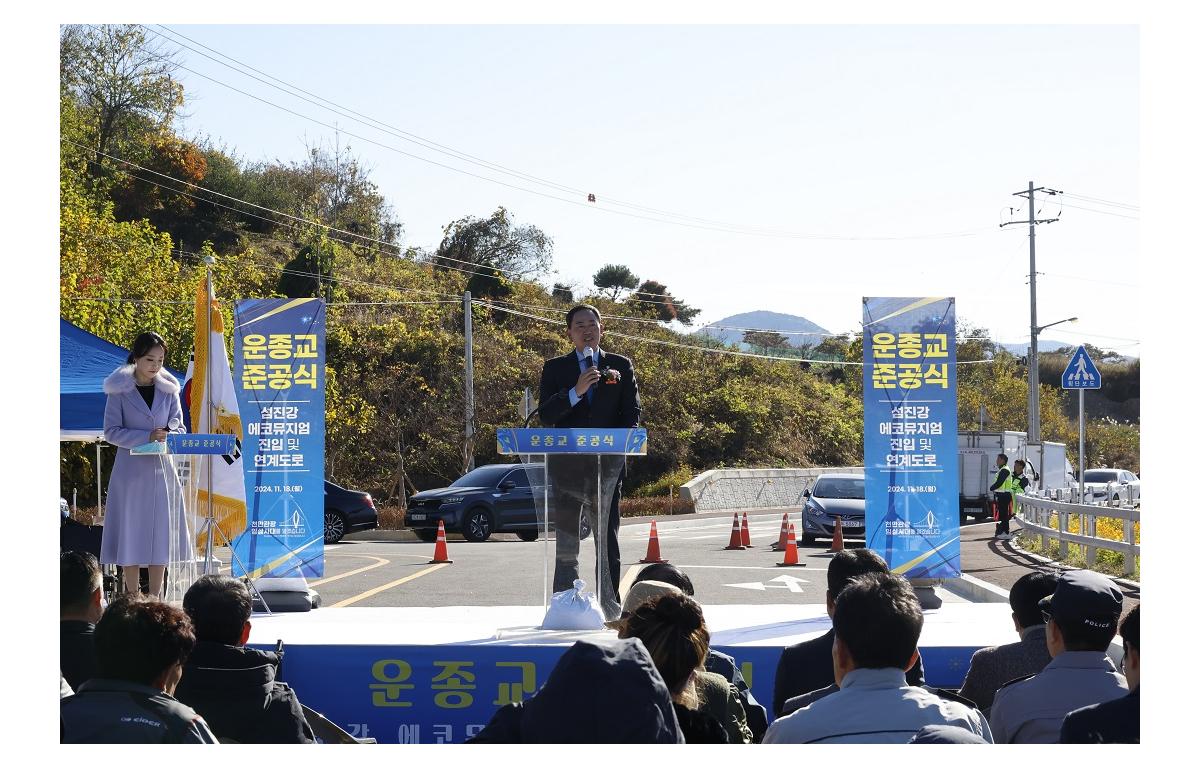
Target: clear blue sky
(847, 131)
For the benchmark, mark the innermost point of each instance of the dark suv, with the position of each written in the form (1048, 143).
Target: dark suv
(347, 511)
(494, 498)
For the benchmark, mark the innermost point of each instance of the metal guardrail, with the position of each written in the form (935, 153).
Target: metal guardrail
(1034, 513)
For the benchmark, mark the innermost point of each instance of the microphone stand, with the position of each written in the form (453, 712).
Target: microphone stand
(537, 411)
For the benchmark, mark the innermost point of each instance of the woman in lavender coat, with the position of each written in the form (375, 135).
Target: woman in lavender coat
(144, 493)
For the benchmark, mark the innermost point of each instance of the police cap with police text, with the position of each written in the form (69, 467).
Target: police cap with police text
(1084, 597)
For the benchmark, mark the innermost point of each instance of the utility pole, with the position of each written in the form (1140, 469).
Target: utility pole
(1034, 429)
(469, 440)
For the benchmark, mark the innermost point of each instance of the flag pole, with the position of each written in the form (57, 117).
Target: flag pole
(210, 522)
(211, 519)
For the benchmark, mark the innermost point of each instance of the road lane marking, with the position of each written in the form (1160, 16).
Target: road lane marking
(748, 567)
(378, 562)
(396, 583)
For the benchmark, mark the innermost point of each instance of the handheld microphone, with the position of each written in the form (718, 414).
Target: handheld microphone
(589, 357)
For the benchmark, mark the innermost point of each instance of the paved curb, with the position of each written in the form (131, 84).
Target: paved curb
(1127, 583)
(379, 534)
(976, 590)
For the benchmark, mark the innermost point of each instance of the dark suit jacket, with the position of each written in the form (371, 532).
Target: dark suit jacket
(613, 406)
(807, 666)
(993, 667)
(1114, 722)
(77, 652)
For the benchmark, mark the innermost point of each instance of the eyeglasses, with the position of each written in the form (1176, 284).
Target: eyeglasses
(1047, 616)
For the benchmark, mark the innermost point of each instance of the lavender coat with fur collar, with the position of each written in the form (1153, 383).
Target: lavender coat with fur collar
(143, 491)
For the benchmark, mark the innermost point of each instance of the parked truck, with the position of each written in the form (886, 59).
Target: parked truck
(1050, 461)
(977, 453)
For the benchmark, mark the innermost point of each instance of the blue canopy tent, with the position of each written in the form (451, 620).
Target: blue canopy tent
(85, 361)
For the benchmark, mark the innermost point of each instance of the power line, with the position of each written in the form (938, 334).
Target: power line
(678, 345)
(1094, 210)
(1101, 201)
(123, 300)
(455, 299)
(734, 229)
(327, 227)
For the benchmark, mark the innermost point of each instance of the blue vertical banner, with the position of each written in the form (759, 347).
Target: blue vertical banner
(279, 374)
(910, 445)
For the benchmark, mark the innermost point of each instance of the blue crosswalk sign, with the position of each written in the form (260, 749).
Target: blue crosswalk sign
(1081, 372)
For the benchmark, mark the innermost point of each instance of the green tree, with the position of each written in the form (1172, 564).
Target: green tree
(310, 273)
(765, 342)
(562, 292)
(519, 251)
(613, 279)
(122, 81)
(652, 298)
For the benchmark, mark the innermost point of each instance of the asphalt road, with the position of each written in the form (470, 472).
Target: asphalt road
(391, 569)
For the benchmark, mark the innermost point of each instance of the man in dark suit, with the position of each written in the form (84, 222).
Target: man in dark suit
(808, 666)
(993, 667)
(587, 388)
(80, 607)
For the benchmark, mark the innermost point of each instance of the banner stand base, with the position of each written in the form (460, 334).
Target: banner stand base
(286, 602)
(926, 590)
(288, 594)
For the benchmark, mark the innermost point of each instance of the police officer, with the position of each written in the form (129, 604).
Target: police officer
(1002, 493)
(1081, 620)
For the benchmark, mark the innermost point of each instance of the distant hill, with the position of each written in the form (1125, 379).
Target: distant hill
(763, 320)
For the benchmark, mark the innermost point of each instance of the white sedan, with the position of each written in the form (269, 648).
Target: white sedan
(1102, 486)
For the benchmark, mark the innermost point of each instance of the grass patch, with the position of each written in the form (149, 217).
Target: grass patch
(1107, 562)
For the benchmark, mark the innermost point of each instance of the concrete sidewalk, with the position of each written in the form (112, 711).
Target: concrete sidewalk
(1000, 564)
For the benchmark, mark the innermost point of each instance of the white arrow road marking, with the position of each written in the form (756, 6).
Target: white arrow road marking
(790, 583)
(758, 585)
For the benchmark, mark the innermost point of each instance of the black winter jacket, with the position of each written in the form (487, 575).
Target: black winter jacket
(596, 694)
(119, 712)
(235, 689)
(77, 651)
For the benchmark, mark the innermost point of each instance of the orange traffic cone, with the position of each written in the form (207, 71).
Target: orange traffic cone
(746, 531)
(652, 553)
(781, 545)
(735, 536)
(440, 555)
(791, 558)
(837, 545)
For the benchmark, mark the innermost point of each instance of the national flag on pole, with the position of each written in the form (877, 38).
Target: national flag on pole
(210, 406)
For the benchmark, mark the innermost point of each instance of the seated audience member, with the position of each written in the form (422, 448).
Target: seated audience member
(232, 686)
(721, 663)
(141, 646)
(671, 626)
(993, 667)
(1081, 620)
(808, 666)
(1117, 721)
(596, 694)
(79, 608)
(876, 624)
